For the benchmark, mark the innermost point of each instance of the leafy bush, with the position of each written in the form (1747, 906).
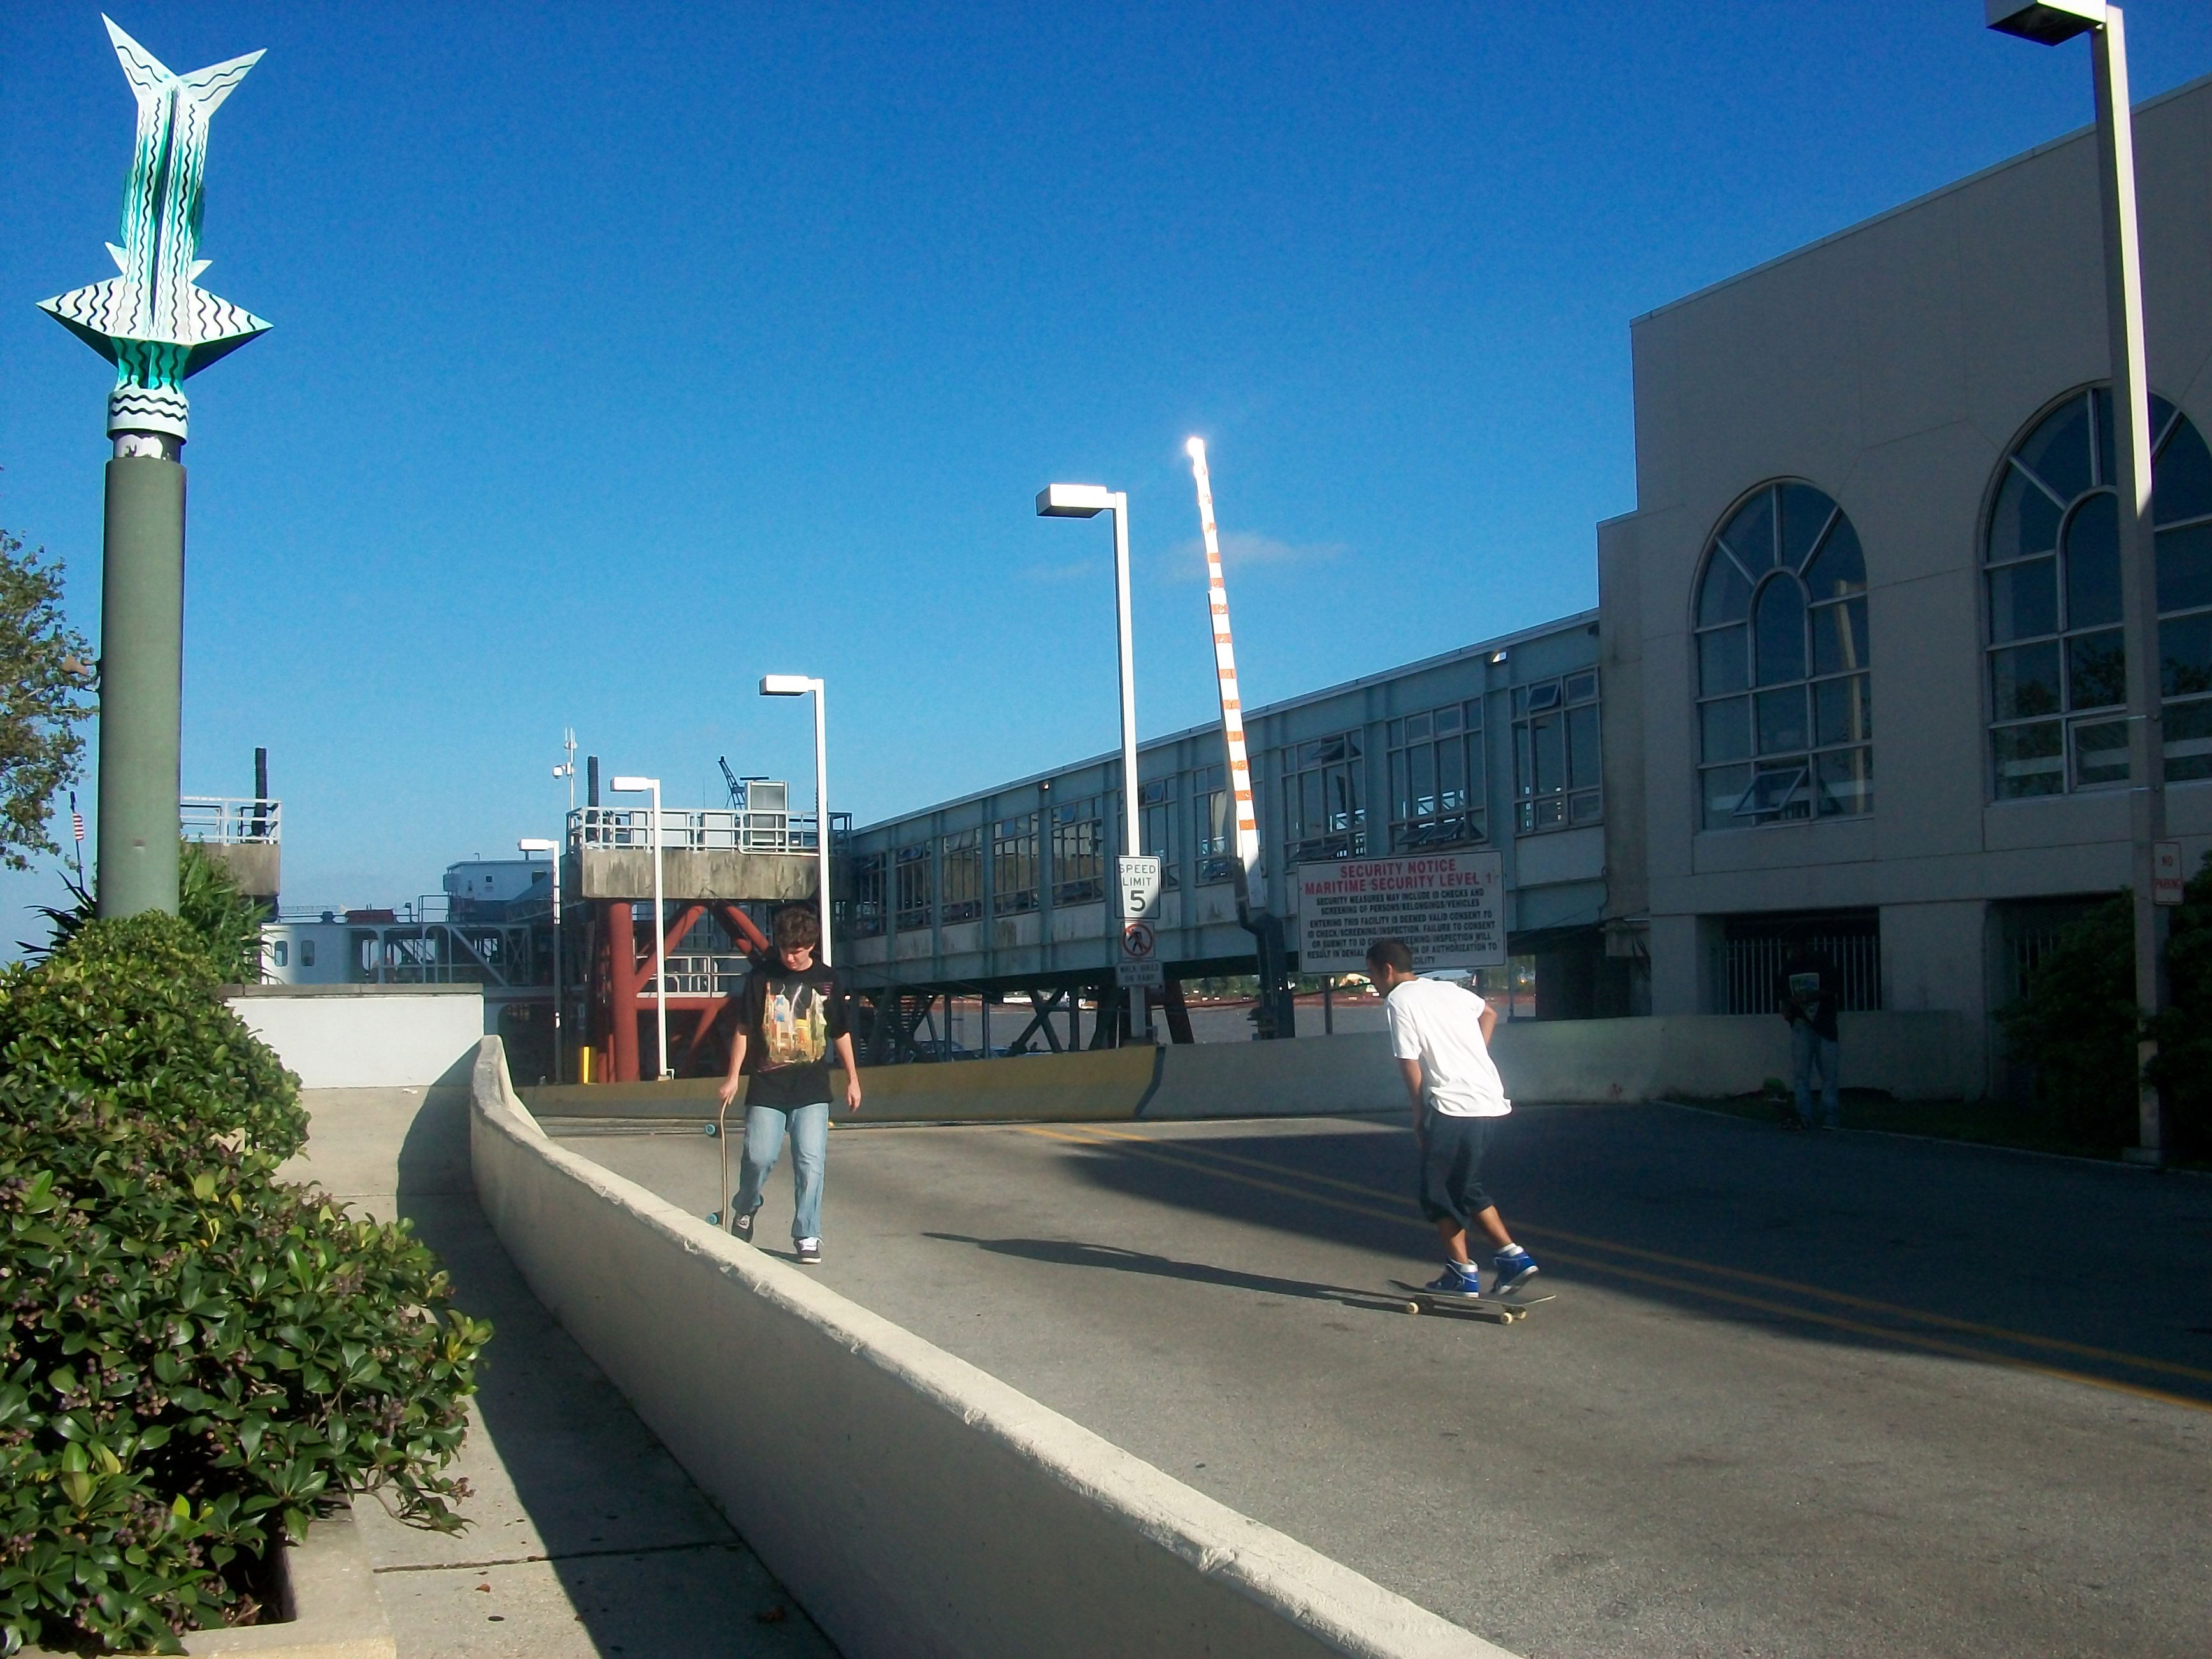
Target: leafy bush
(192, 1353)
(208, 902)
(2074, 1024)
(2182, 1070)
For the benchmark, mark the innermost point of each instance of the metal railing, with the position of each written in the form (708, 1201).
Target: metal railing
(1752, 965)
(729, 829)
(700, 976)
(229, 820)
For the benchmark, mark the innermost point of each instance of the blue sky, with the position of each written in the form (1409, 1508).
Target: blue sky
(623, 353)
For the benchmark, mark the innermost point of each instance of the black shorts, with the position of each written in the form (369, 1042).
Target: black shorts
(1451, 1167)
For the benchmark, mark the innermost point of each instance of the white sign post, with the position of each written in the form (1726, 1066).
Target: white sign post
(1449, 908)
(1135, 965)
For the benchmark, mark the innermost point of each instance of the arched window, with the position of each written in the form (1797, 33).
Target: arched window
(2057, 673)
(1786, 724)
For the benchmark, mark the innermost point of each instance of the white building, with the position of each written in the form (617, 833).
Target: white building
(1860, 635)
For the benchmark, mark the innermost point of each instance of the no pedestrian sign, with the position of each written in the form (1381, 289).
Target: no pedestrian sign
(1449, 908)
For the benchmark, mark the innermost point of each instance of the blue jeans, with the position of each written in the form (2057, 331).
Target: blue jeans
(1805, 1046)
(810, 1149)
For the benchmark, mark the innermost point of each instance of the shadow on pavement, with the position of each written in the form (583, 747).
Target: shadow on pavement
(1068, 1254)
(567, 1480)
(1852, 1239)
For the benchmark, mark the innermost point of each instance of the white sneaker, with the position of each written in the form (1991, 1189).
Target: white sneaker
(809, 1251)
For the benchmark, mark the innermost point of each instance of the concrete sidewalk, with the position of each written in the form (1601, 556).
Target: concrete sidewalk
(587, 1539)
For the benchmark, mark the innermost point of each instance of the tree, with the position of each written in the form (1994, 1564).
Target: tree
(42, 677)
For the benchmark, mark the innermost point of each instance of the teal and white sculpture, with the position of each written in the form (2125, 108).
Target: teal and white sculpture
(152, 322)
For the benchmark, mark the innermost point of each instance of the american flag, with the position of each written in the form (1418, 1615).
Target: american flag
(77, 819)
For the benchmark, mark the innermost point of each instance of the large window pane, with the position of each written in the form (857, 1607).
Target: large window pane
(1839, 637)
(2025, 519)
(2185, 650)
(1723, 665)
(2057, 451)
(1841, 567)
(1722, 788)
(2182, 478)
(1548, 748)
(2184, 567)
(1805, 515)
(2023, 600)
(2092, 563)
(2101, 754)
(1422, 770)
(1845, 781)
(2188, 741)
(1726, 728)
(1582, 763)
(2096, 670)
(1777, 626)
(2025, 681)
(1724, 596)
(2030, 761)
(1781, 719)
(1451, 773)
(1750, 534)
(1841, 711)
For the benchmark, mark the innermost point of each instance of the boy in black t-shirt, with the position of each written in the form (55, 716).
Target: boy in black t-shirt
(1806, 991)
(791, 1017)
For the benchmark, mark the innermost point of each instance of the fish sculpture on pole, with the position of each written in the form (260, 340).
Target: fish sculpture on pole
(158, 328)
(152, 321)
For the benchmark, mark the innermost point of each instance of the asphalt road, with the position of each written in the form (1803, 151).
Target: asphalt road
(1821, 1395)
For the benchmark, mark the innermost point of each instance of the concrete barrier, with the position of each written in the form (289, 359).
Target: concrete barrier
(1913, 1056)
(916, 1506)
(366, 1036)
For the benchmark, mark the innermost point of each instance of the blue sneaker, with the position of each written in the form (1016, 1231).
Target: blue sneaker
(1456, 1280)
(1515, 1269)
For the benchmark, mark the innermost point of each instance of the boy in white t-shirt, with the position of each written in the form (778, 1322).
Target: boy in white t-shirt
(1440, 1037)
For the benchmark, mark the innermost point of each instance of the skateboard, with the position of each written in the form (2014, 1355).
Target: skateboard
(1499, 1311)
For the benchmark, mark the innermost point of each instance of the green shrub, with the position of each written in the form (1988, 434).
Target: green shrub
(226, 922)
(129, 1009)
(2074, 1024)
(2182, 1070)
(192, 1353)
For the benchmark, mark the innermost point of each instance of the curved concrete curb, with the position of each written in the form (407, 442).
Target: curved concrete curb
(915, 1504)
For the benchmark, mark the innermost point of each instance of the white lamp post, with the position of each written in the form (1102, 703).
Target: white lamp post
(798, 685)
(527, 846)
(652, 786)
(1062, 500)
(2049, 22)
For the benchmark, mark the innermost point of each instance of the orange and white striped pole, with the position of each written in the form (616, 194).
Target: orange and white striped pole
(1225, 663)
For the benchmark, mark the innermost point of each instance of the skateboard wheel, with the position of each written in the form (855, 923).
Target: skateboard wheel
(1412, 1307)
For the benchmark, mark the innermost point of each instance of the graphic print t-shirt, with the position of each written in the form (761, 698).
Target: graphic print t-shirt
(791, 1023)
(1809, 984)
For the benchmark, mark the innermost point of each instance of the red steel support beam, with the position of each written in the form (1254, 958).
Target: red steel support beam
(621, 992)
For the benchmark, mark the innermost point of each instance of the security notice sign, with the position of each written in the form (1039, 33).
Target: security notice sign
(1449, 908)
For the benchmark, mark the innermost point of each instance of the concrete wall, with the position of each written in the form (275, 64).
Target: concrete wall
(916, 1505)
(365, 1036)
(1934, 1054)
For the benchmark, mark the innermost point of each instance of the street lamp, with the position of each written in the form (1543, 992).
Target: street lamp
(638, 787)
(798, 685)
(2050, 22)
(526, 847)
(1062, 500)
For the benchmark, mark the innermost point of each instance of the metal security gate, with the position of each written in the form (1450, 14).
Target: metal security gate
(1756, 947)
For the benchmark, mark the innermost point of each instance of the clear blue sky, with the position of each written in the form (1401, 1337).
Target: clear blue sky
(622, 353)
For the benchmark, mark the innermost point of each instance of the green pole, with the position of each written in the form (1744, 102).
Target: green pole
(141, 617)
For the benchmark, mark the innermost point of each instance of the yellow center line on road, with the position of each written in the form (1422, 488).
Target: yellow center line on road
(1142, 1146)
(1844, 1298)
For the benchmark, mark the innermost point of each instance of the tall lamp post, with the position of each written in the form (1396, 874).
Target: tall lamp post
(2050, 22)
(798, 685)
(1062, 500)
(553, 849)
(158, 329)
(640, 786)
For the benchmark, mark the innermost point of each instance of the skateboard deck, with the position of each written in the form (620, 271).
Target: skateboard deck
(1499, 1311)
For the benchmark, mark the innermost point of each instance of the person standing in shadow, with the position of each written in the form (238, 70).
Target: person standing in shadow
(1806, 991)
